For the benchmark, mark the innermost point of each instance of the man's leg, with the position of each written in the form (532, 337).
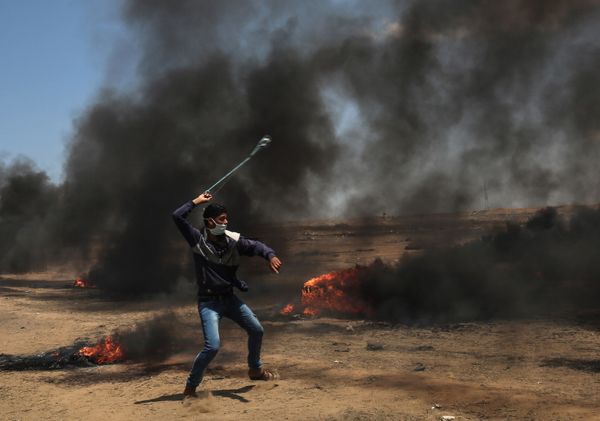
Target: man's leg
(243, 316)
(209, 317)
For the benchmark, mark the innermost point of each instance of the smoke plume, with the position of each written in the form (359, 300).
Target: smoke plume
(150, 341)
(546, 267)
(398, 106)
(26, 201)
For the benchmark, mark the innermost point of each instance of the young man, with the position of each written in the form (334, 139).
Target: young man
(216, 253)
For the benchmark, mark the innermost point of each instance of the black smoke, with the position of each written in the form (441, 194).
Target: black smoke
(547, 267)
(27, 199)
(399, 106)
(150, 341)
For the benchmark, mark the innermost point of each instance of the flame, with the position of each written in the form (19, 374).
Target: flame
(82, 283)
(308, 311)
(287, 310)
(104, 352)
(337, 292)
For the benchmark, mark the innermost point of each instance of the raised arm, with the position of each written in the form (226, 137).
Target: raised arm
(189, 232)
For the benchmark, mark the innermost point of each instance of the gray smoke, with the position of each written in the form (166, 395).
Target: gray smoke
(406, 106)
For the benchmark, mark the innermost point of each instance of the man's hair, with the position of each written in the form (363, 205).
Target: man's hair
(213, 210)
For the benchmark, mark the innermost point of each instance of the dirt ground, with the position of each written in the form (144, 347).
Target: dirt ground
(331, 369)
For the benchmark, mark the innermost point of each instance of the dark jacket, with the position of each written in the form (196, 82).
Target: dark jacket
(216, 266)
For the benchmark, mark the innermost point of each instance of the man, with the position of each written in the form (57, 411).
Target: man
(216, 253)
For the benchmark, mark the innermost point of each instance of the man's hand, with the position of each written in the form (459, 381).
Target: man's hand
(203, 198)
(275, 264)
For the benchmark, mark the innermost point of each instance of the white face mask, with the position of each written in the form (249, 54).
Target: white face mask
(219, 229)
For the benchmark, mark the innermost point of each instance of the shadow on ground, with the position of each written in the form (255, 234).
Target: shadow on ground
(85, 377)
(225, 393)
(590, 366)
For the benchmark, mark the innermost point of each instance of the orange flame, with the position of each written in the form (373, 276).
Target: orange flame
(104, 352)
(287, 310)
(82, 283)
(337, 292)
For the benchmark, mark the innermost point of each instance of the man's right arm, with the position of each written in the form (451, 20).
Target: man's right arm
(189, 232)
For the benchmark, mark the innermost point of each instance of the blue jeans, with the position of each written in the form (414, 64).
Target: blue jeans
(211, 312)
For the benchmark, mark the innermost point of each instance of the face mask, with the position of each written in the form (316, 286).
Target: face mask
(219, 229)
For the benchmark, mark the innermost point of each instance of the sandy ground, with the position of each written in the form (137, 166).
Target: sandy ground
(522, 370)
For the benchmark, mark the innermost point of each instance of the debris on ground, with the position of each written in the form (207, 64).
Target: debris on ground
(423, 348)
(372, 346)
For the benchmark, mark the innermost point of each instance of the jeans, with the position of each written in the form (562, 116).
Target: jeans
(211, 313)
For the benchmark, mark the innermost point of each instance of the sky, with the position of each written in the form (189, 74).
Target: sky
(531, 139)
(54, 57)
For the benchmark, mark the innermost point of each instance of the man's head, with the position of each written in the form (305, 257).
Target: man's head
(215, 216)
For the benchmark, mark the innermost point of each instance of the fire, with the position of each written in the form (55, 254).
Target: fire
(335, 292)
(287, 310)
(82, 283)
(104, 352)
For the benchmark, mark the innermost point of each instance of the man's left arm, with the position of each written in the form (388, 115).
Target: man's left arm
(248, 247)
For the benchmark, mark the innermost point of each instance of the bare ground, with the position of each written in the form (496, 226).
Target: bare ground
(524, 370)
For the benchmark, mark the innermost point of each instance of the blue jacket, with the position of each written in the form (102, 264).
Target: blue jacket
(216, 266)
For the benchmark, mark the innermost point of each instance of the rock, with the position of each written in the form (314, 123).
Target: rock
(419, 367)
(371, 346)
(349, 328)
(346, 349)
(447, 418)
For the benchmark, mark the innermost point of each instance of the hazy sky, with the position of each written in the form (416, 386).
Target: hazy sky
(53, 57)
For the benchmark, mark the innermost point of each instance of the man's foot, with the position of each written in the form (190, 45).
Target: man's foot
(262, 374)
(189, 391)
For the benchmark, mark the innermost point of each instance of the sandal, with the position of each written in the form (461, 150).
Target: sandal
(262, 374)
